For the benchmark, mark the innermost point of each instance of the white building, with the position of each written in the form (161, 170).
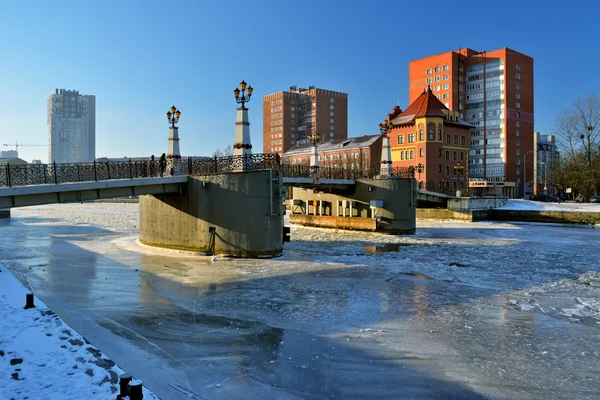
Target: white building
(71, 124)
(9, 154)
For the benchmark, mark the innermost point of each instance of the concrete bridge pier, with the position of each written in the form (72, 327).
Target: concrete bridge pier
(238, 214)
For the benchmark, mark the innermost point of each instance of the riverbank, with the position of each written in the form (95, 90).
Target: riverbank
(41, 357)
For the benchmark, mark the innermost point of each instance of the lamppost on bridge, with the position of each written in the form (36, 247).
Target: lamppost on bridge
(385, 170)
(420, 168)
(242, 144)
(314, 156)
(173, 154)
(459, 167)
(525, 172)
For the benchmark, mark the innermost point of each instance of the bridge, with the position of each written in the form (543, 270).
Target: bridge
(36, 184)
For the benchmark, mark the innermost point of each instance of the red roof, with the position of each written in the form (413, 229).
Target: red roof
(426, 105)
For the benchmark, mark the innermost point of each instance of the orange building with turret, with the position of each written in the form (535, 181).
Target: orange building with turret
(433, 140)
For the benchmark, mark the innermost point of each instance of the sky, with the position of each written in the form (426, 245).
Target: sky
(141, 57)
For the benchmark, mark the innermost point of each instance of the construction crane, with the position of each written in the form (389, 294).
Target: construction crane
(17, 145)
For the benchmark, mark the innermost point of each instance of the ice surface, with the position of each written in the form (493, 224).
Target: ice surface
(461, 310)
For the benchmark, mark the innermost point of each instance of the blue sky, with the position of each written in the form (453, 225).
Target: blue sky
(141, 57)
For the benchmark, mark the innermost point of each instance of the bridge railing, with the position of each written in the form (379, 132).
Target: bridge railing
(341, 172)
(55, 173)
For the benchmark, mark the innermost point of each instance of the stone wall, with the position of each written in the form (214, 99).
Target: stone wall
(238, 214)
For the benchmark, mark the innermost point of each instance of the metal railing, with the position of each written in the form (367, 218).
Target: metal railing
(341, 172)
(55, 173)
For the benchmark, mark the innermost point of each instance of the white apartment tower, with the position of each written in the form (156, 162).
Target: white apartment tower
(71, 127)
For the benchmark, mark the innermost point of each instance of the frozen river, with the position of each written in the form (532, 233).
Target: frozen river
(459, 310)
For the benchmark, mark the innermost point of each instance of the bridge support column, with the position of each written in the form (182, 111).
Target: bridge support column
(237, 214)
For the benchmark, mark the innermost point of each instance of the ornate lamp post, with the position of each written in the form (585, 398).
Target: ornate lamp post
(173, 117)
(386, 153)
(459, 167)
(420, 168)
(314, 156)
(242, 144)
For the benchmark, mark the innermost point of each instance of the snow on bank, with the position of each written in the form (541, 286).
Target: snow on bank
(516, 204)
(43, 358)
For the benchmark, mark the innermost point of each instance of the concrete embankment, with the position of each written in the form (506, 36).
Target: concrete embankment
(569, 217)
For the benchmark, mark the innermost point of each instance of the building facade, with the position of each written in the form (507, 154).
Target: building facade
(289, 117)
(494, 92)
(71, 121)
(359, 153)
(546, 152)
(433, 140)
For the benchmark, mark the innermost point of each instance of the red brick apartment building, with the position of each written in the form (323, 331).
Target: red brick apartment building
(289, 117)
(354, 153)
(502, 114)
(432, 139)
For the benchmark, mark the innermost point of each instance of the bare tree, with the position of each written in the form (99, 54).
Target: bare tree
(578, 130)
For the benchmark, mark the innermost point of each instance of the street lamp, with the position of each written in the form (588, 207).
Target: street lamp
(173, 116)
(525, 173)
(314, 138)
(385, 167)
(385, 127)
(420, 168)
(243, 98)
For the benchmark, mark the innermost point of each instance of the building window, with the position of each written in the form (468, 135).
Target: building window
(454, 155)
(518, 133)
(445, 77)
(412, 154)
(331, 107)
(518, 142)
(428, 71)
(428, 81)
(445, 86)
(447, 170)
(462, 155)
(437, 69)
(518, 76)
(431, 134)
(517, 114)
(331, 100)
(331, 127)
(437, 78)
(447, 154)
(331, 121)
(445, 67)
(518, 67)
(462, 140)
(518, 95)
(518, 161)
(518, 104)
(445, 96)
(421, 135)
(402, 155)
(440, 153)
(440, 135)
(518, 124)
(518, 152)
(411, 138)
(422, 152)
(400, 139)
(331, 114)
(436, 88)
(518, 85)
(455, 139)
(440, 168)
(518, 171)
(448, 138)
(460, 88)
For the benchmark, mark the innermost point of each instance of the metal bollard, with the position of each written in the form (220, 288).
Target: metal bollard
(29, 301)
(135, 390)
(124, 380)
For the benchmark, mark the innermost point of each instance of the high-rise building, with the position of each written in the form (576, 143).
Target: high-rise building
(71, 121)
(289, 117)
(546, 152)
(503, 113)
